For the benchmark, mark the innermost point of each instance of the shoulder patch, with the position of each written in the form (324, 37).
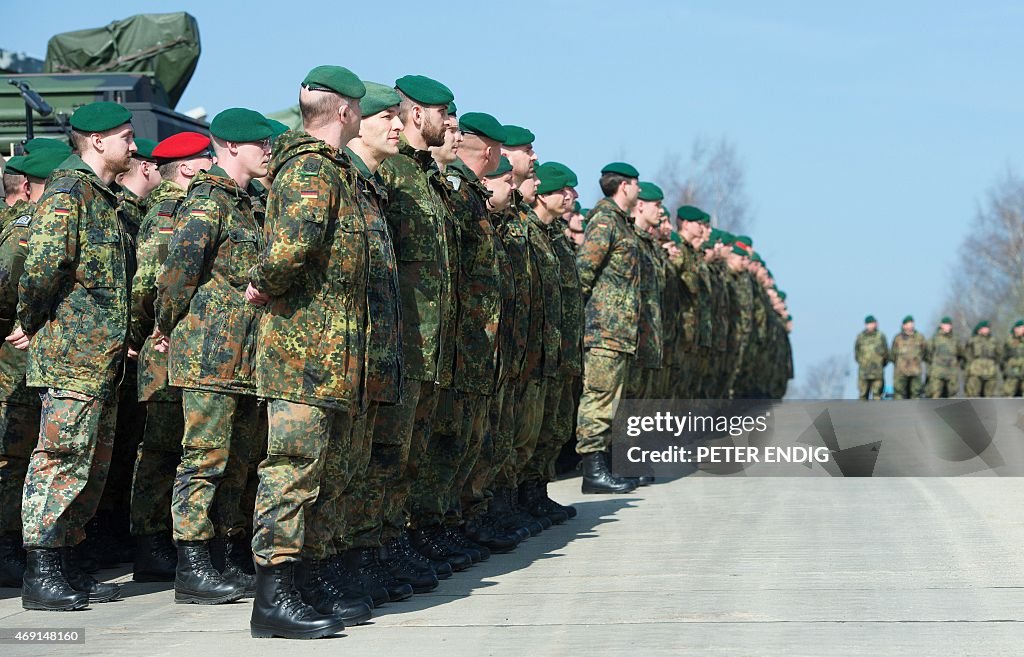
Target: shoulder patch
(23, 220)
(65, 184)
(311, 166)
(202, 190)
(455, 182)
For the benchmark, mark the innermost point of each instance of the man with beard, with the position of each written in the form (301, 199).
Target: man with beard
(73, 309)
(310, 361)
(208, 322)
(426, 245)
(608, 266)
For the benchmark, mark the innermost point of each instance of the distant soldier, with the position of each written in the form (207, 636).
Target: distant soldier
(982, 355)
(872, 353)
(1013, 361)
(944, 367)
(909, 350)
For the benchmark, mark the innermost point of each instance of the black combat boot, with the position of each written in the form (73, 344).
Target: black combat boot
(100, 544)
(484, 532)
(534, 525)
(82, 581)
(530, 498)
(597, 478)
(155, 560)
(500, 510)
(45, 586)
(405, 570)
(238, 563)
(371, 566)
(347, 581)
(568, 510)
(279, 609)
(457, 536)
(448, 538)
(426, 541)
(12, 561)
(442, 569)
(319, 592)
(197, 581)
(354, 561)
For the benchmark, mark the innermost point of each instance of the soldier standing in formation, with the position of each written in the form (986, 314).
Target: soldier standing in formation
(982, 355)
(909, 352)
(944, 366)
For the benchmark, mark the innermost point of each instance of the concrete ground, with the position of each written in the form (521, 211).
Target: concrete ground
(696, 566)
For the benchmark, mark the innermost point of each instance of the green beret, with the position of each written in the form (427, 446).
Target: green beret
(1019, 322)
(908, 318)
(40, 143)
(452, 109)
(242, 125)
(584, 212)
(869, 319)
(651, 192)
(739, 250)
(100, 117)
(517, 136)
(757, 258)
(692, 213)
(338, 79)
(277, 127)
(676, 237)
(378, 98)
(144, 148)
(708, 244)
(980, 325)
(41, 163)
(622, 169)
(424, 90)
(576, 207)
(570, 175)
(485, 125)
(743, 239)
(550, 179)
(789, 318)
(946, 320)
(504, 166)
(782, 295)
(725, 237)
(14, 164)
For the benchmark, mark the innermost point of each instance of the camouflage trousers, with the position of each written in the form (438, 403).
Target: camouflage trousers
(439, 464)
(400, 435)
(906, 386)
(221, 433)
(356, 502)
(556, 428)
(68, 468)
(940, 387)
(477, 424)
(131, 421)
(980, 386)
(19, 431)
(527, 418)
(496, 448)
(297, 430)
(1013, 386)
(869, 388)
(155, 465)
(604, 376)
(298, 437)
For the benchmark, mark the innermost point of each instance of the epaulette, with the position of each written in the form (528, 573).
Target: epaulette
(65, 184)
(202, 190)
(23, 220)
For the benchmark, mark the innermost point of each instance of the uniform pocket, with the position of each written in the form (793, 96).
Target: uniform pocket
(604, 369)
(244, 252)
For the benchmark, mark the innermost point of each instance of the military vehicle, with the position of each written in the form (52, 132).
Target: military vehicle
(143, 62)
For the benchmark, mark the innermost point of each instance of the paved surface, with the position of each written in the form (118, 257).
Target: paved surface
(697, 566)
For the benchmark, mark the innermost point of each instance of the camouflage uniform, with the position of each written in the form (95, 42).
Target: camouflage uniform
(362, 507)
(425, 242)
(723, 318)
(649, 347)
(1013, 366)
(982, 356)
(742, 322)
(944, 367)
(608, 264)
(687, 357)
(73, 298)
(19, 407)
(201, 305)
(871, 351)
(907, 353)
(160, 450)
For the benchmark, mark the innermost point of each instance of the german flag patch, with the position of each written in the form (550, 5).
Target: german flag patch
(61, 212)
(309, 194)
(198, 213)
(165, 230)
(164, 214)
(23, 241)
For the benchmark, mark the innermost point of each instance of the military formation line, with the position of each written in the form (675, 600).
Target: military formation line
(326, 367)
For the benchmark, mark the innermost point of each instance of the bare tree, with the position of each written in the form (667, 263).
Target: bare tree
(986, 280)
(712, 179)
(826, 379)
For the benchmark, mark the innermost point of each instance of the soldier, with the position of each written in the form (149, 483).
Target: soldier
(181, 157)
(871, 352)
(909, 350)
(425, 246)
(647, 362)
(207, 321)
(19, 407)
(311, 358)
(608, 265)
(19, 187)
(1013, 361)
(944, 368)
(982, 357)
(73, 310)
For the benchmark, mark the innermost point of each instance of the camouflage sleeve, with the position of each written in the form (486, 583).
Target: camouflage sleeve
(593, 253)
(856, 347)
(143, 312)
(193, 244)
(52, 248)
(297, 215)
(12, 265)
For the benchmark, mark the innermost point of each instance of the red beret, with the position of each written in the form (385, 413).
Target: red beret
(181, 146)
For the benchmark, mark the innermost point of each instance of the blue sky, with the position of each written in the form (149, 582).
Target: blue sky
(869, 132)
